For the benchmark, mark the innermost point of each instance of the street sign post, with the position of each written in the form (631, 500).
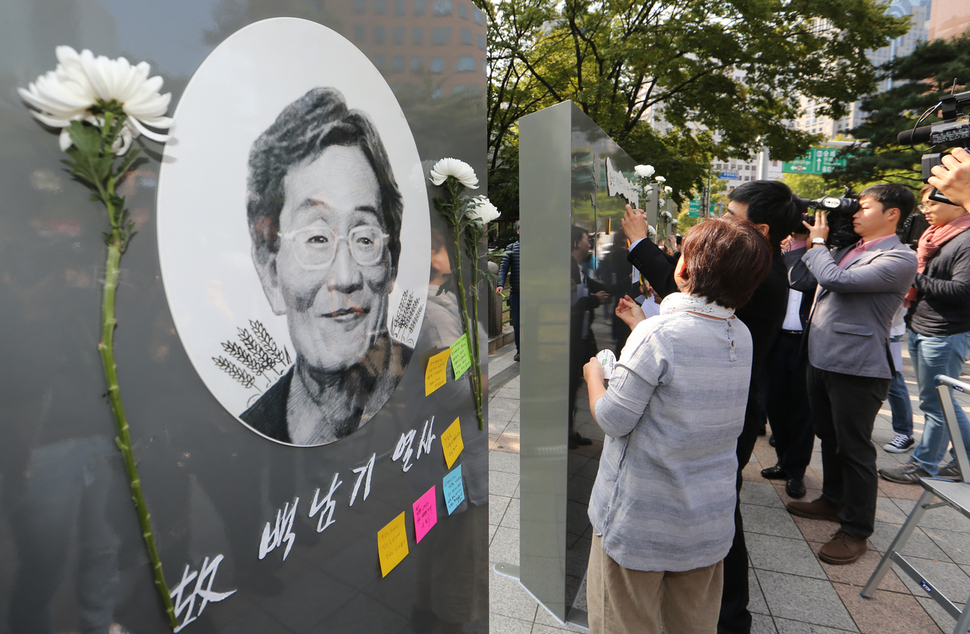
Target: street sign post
(820, 160)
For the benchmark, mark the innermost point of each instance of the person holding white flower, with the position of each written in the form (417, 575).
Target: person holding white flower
(325, 220)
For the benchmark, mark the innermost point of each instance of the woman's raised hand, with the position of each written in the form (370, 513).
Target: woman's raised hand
(629, 311)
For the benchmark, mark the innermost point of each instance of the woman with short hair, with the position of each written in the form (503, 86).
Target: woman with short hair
(662, 506)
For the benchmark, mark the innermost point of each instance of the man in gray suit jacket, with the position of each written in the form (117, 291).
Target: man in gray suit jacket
(850, 365)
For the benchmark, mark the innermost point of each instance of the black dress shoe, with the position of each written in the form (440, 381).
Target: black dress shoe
(774, 473)
(795, 488)
(771, 440)
(578, 439)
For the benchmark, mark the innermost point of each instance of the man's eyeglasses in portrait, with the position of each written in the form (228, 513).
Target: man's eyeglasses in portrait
(316, 246)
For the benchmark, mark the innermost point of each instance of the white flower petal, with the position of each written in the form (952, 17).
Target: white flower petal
(63, 96)
(481, 210)
(64, 140)
(51, 121)
(81, 80)
(156, 122)
(644, 171)
(454, 168)
(123, 142)
(154, 136)
(155, 106)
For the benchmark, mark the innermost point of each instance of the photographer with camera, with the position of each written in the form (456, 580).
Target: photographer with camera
(850, 369)
(939, 316)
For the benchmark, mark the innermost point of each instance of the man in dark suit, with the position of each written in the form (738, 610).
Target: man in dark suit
(786, 402)
(771, 206)
(850, 363)
(587, 295)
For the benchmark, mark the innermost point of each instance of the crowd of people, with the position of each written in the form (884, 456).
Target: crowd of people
(763, 319)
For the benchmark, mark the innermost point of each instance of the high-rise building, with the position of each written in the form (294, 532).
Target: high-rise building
(920, 10)
(948, 18)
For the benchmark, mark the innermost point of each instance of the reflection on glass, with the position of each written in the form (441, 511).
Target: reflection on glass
(63, 498)
(599, 275)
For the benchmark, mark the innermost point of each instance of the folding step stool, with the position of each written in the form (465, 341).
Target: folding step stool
(954, 494)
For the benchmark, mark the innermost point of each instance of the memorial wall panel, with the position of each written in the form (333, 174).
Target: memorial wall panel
(306, 464)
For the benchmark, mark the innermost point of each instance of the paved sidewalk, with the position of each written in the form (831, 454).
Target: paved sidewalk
(791, 590)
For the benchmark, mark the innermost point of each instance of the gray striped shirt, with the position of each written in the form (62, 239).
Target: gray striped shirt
(664, 495)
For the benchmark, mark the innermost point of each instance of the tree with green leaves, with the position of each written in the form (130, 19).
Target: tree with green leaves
(736, 67)
(920, 79)
(810, 186)
(685, 221)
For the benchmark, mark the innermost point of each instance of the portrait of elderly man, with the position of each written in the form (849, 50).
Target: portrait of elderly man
(324, 216)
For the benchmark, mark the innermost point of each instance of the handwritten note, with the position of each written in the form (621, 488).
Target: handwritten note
(437, 373)
(451, 443)
(392, 544)
(453, 490)
(425, 514)
(461, 355)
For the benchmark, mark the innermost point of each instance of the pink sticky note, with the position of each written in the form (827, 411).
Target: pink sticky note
(425, 514)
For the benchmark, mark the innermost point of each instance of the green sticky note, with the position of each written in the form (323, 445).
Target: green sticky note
(461, 358)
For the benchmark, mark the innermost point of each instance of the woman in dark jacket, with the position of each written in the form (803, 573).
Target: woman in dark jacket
(939, 338)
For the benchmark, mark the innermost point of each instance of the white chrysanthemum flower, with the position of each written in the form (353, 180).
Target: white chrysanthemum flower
(82, 81)
(665, 215)
(673, 221)
(668, 189)
(660, 179)
(648, 189)
(482, 211)
(459, 170)
(644, 171)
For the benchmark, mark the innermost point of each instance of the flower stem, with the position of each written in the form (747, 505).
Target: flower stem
(474, 377)
(477, 366)
(116, 246)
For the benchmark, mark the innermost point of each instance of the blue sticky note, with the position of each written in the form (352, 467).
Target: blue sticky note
(453, 490)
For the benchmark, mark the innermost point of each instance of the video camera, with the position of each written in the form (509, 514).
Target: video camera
(953, 131)
(837, 210)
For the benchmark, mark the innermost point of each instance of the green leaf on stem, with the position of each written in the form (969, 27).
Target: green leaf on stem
(126, 162)
(86, 138)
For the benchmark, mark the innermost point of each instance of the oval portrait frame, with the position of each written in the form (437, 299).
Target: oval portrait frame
(236, 343)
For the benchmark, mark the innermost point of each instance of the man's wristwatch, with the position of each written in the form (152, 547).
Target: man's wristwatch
(817, 241)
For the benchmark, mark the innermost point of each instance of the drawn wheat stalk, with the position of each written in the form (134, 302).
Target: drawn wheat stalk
(257, 351)
(266, 341)
(245, 378)
(414, 319)
(407, 315)
(242, 356)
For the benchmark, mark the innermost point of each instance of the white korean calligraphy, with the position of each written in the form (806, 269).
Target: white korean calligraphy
(364, 473)
(327, 504)
(282, 531)
(204, 579)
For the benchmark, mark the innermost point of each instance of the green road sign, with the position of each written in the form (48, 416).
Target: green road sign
(694, 208)
(820, 160)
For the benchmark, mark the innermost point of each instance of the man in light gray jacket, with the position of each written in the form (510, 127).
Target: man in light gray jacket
(850, 365)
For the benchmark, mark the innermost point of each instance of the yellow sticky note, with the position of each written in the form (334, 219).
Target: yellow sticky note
(392, 544)
(437, 373)
(451, 443)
